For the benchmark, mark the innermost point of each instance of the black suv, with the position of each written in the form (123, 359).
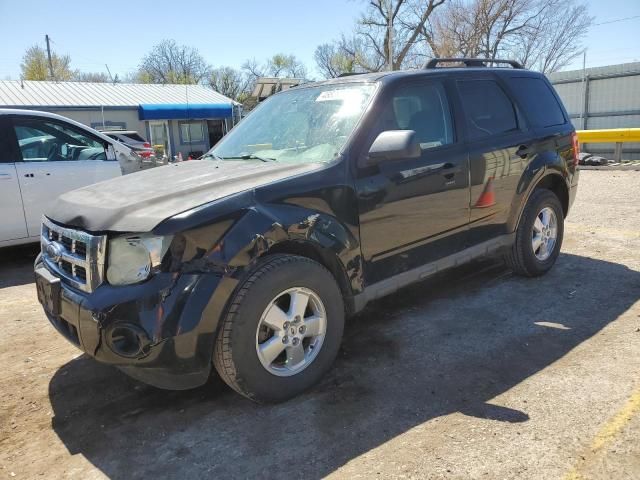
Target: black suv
(326, 197)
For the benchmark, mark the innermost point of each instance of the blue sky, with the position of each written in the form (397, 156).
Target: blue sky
(119, 33)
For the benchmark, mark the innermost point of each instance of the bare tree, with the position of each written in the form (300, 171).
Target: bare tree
(555, 38)
(332, 61)
(93, 77)
(388, 35)
(279, 65)
(168, 62)
(542, 34)
(230, 82)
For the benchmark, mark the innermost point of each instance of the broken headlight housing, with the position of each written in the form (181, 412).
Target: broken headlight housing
(133, 258)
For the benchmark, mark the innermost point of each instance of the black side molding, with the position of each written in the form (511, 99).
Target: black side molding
(390, 285)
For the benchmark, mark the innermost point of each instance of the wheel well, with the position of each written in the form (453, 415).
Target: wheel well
(325, 258)
(556, 184)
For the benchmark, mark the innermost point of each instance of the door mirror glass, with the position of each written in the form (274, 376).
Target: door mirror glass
(394, 145)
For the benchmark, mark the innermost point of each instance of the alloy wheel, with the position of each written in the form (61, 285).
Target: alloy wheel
(291, 331)
(545, 234)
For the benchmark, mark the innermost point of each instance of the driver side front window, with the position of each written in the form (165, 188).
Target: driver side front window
(422, 107)
(42, 140)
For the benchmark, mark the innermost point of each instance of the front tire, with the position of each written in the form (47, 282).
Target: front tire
(539, 235)
(282, 330)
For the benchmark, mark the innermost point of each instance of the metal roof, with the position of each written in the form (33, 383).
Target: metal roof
(17, 93)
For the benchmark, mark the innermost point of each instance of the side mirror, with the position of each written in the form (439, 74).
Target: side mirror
(394, 145)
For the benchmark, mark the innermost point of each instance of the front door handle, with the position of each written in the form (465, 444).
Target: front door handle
(5, 176)
(524, 151)
(449, 170)
(29, 175)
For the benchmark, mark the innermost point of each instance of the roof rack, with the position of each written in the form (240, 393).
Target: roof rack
(349, 74)
(471, 62)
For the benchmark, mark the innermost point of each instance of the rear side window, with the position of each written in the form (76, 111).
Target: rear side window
(539, 102)
(488, 109)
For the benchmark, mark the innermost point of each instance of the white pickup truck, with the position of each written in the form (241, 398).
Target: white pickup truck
(43, 155)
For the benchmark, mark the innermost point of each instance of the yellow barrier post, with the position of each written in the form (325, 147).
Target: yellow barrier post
(612, 135)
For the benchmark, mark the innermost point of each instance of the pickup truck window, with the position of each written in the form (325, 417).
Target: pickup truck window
(299, 125)
(489, 110)
(43, 140)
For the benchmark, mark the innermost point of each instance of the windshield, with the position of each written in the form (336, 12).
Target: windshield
(299, 125)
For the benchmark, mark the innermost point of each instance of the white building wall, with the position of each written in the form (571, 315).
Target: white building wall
(613, 101)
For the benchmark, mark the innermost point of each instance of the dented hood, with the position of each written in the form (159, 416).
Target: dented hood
(140, 201)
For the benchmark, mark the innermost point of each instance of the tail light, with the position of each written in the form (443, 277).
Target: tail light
(576, 148)
(146, 145)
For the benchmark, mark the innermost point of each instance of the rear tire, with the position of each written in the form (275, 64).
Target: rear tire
(539, 235)
(282, 330)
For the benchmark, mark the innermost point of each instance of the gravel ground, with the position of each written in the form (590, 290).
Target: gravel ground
(473, 374)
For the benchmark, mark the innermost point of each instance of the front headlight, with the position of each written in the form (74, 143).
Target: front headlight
(132, 258)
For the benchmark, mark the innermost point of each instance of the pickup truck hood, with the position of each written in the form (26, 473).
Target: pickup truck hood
(140, 201)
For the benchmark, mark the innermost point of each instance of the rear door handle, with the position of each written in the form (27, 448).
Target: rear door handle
(29, 175)
(5, 176)
(524, 151)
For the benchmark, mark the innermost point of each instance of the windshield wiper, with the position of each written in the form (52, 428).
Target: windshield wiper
(212, 155)
(251, 156)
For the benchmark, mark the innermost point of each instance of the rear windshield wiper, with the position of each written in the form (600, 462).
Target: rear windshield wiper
(251, 156)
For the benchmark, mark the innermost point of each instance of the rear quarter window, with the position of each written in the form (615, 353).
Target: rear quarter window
(538, 101)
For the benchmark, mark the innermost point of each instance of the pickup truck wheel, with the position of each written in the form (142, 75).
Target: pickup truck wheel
(282, 330)
(539, 235)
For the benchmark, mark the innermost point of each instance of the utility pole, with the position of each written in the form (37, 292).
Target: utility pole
(113, 80)
(585, 91)
(46, 37)
(390, 34)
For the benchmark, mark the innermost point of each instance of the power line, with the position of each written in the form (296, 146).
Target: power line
(617, 20)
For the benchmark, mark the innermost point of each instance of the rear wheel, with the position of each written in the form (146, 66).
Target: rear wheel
(282, 331)
(539, 235)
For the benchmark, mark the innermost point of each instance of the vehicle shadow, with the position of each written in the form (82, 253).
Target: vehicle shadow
(12, 264)
(449, 344)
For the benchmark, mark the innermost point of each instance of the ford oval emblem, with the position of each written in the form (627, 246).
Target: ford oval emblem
(54, 251)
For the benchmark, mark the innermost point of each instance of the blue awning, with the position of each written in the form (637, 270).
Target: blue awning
(184, 111)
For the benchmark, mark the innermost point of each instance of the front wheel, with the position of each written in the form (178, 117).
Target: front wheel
(282, 330)
(539, 235)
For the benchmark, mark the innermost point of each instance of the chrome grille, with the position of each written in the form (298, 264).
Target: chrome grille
(76, 256)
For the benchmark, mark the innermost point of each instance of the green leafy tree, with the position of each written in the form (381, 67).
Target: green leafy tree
(35, 65)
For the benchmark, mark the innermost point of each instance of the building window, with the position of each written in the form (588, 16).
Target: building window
(191, 132)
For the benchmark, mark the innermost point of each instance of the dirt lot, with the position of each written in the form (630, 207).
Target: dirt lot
(474, 374)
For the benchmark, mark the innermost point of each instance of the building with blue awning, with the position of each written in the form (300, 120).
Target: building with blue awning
(186, 119)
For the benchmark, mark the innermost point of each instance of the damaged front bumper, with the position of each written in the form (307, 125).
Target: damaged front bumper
(160, 332)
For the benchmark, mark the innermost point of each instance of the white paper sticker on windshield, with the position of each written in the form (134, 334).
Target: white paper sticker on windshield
(339, 94)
